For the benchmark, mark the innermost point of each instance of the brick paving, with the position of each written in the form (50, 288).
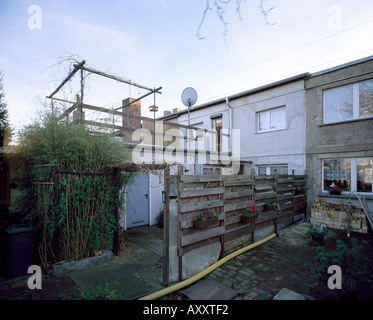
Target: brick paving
(259, 274)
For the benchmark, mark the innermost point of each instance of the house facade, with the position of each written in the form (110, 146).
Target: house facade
(318, 124)
(339, 133)
(270, 121)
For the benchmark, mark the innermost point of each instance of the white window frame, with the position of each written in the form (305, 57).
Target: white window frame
(353, 177)
(269, 166)
(216, 136)
(268, 112)
(355, 102)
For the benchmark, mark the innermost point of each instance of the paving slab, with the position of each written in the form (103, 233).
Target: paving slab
(124, 274)
(208, 289)
(286, 294)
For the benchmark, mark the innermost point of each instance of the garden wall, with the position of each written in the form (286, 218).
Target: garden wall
(337, 216)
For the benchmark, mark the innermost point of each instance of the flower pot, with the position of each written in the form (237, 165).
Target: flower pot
(247, 219)
(206, 224)
(336, 192)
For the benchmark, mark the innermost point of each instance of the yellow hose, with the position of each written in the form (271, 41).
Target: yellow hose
(205, 272)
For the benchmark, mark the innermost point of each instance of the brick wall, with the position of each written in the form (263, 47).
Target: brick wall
(131, 123)
(335, 216)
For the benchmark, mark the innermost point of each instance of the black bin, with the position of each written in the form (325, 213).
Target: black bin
(18, 245)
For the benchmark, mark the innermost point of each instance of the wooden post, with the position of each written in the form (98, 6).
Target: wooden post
(166, 228)
(179, 232)
(55, 185)
(116, 242)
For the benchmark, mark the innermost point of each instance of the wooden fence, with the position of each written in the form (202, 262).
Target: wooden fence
(230, 195)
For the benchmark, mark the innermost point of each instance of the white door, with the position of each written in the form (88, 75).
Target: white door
(138, 201)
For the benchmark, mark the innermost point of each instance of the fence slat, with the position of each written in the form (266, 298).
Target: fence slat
(200, 192)
(201, 205)
(238, 205)
(202, 235)
(203, 178)
(238, 194)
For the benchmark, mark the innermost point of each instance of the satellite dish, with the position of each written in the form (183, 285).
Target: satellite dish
(189, 97)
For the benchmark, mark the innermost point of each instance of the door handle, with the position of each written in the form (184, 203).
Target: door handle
(146, 196)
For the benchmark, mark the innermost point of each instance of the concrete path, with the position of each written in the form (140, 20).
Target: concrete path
(138, 269)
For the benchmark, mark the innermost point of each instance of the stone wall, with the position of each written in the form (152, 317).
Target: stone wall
(335, 216)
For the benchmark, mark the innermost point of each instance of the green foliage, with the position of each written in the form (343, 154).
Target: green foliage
(81, 220)
(350, 258)
(317, 232)
(5, 129)
(102, 291)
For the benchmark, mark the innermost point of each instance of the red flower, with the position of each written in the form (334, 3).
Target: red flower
(335, 188)
(251, 209)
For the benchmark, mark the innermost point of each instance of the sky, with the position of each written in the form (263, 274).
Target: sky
(154, 43)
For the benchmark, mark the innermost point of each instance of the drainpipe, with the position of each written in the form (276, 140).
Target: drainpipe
(230, 126)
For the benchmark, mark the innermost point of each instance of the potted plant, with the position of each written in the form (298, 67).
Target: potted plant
(299, 189)
(250, 215)
(318, 235)
(268, 205)
(334, 189)
(206, 218)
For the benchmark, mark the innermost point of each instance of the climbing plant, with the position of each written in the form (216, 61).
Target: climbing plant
(79, 221)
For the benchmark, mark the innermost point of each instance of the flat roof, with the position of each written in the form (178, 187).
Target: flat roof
(341, 66)
(239, 95)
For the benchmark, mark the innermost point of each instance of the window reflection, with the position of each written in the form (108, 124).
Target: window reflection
(364, 175)
(337, 172)
(366, 99)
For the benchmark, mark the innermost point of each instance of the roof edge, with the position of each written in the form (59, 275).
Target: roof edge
(240, 94)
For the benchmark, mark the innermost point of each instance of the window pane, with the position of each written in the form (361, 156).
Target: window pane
(337, 172)
(278, 119)
(263, 121)
(366, 99)
(262, 170)
(364, 175)
(281, 170)
(338, 104)
(217, 125)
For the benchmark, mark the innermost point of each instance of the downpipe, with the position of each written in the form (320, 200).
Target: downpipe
(230, 125)
(198, 276)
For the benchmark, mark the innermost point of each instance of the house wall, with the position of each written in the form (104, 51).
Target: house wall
(286, 146)
(348, 139)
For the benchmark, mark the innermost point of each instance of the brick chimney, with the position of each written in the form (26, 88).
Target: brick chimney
(166, 112)
(129, 122)
(176, 110)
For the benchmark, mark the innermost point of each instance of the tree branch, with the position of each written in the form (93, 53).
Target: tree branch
(265, 12)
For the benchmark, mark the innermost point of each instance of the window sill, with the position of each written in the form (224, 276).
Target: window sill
(269, 131)
(344, 196)
(344, 121)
